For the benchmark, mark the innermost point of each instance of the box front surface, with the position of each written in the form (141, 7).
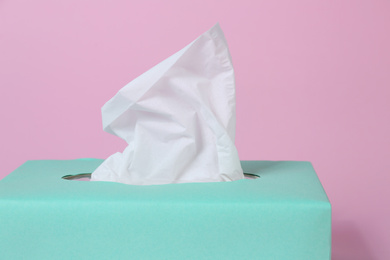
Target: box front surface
(284, 214)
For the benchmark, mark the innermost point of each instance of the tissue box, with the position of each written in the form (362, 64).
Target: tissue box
(284, 214)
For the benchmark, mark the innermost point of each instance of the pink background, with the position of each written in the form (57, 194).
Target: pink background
(313, 83)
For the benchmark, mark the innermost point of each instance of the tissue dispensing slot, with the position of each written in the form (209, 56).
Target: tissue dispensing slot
(87, 176)
(251, 176)
(78, 177)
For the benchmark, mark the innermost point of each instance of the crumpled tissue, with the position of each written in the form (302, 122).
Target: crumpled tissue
(178, 119)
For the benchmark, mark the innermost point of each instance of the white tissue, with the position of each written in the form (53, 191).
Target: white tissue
(178, 119)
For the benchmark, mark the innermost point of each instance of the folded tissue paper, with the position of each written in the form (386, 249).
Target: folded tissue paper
(178, 119)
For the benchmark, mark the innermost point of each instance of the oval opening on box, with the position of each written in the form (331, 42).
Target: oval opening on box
(251, 176)
(77, 177)
(87, 176)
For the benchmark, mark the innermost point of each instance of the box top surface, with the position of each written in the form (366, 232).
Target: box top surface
(279, 182)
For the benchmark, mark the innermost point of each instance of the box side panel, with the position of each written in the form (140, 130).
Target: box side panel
(68, 230)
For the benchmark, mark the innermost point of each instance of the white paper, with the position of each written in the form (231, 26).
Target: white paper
(178, 119)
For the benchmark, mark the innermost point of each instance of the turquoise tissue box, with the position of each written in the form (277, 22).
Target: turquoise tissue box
(285, 214)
